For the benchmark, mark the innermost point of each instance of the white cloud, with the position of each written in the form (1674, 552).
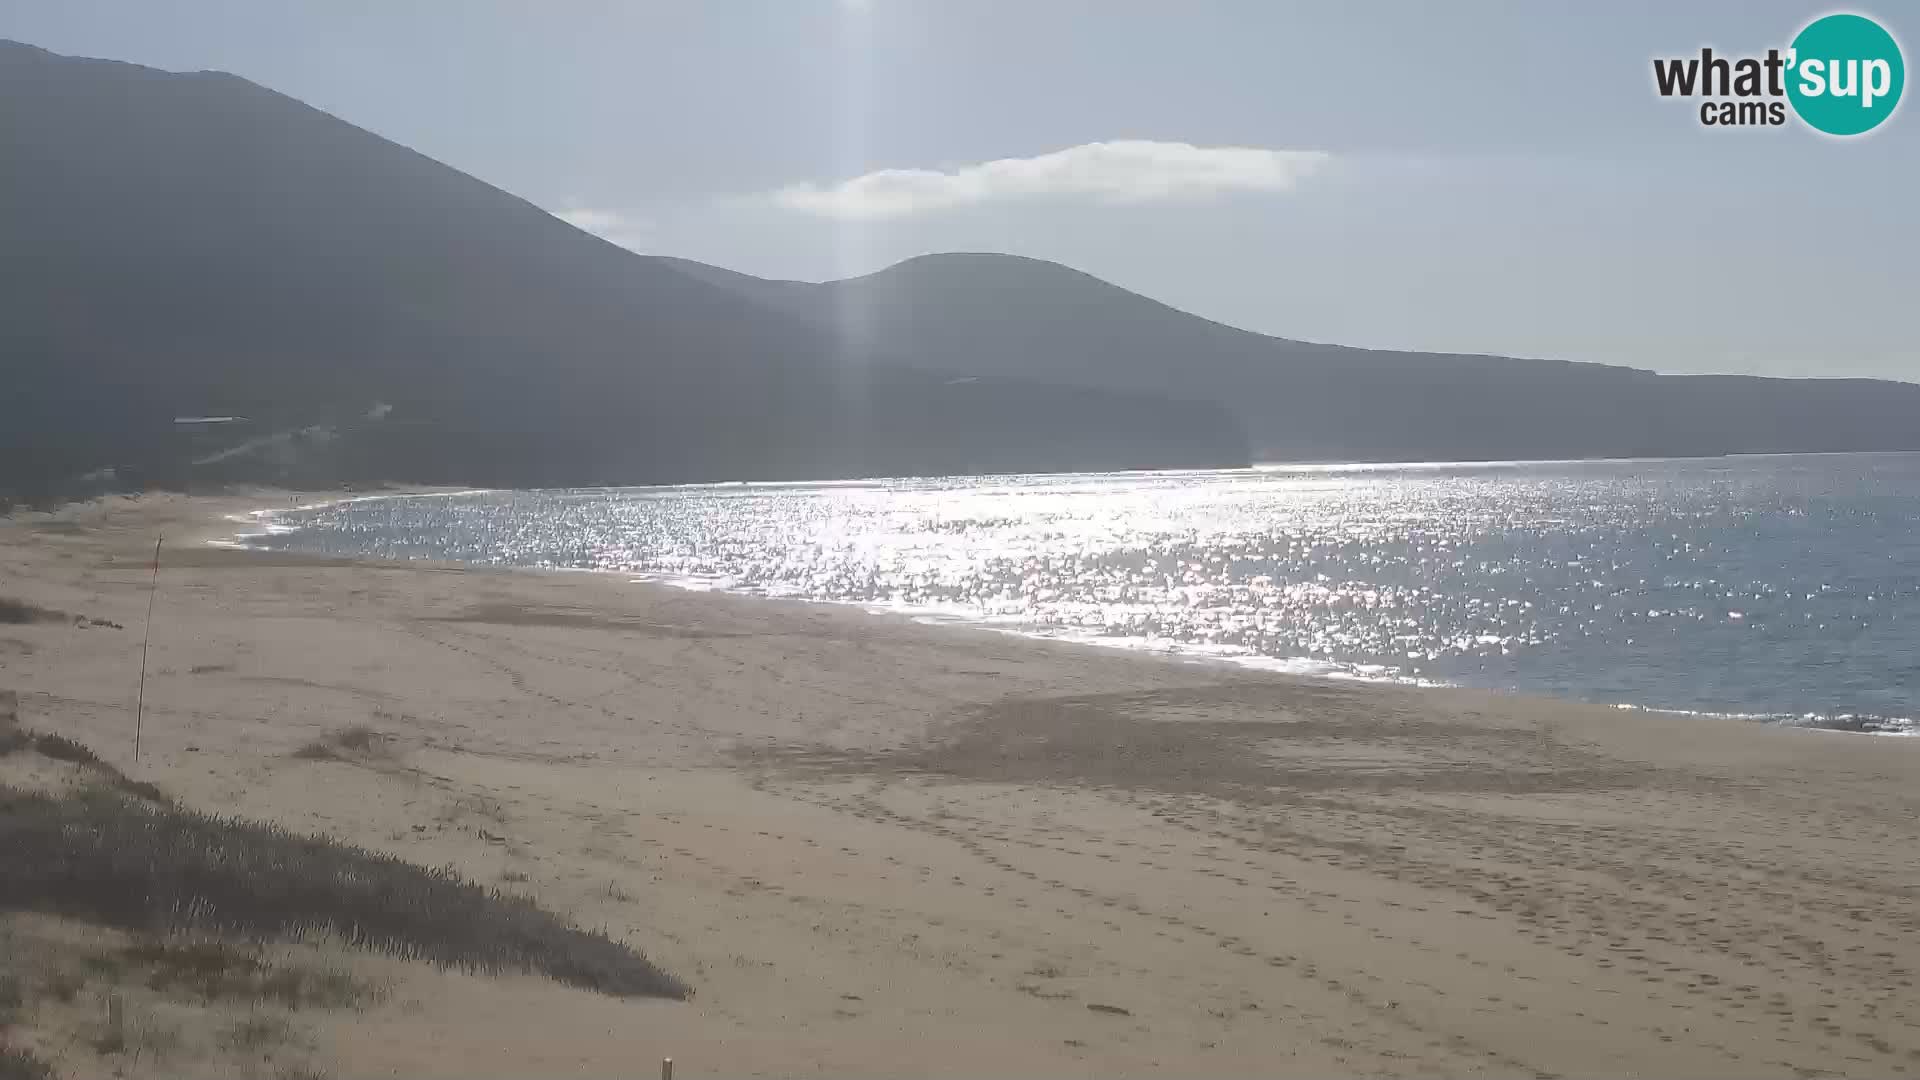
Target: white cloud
(592, 221)
(609, 225)
(1123, 171)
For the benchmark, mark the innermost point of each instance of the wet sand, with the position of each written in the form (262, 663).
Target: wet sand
(879, 848)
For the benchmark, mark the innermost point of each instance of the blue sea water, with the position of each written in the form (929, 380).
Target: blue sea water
(1780, 588)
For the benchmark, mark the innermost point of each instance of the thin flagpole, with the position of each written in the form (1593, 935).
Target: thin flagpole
(140, 702)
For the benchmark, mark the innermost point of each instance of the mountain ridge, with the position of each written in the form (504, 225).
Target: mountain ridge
(1306, 401)
(196, 244)
(725, 275)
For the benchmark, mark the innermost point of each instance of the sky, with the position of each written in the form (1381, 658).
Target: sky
(1472, 177)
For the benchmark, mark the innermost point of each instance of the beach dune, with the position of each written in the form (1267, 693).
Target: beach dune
(879, 848)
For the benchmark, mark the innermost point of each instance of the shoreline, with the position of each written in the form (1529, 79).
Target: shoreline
(1833, 720)
(876, 847)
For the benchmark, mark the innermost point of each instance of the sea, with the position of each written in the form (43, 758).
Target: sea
(1780, 589)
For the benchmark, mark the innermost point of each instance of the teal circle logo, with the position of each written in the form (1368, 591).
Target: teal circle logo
(1845, 74)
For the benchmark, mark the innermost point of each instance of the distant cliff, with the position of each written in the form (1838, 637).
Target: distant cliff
(185, 245)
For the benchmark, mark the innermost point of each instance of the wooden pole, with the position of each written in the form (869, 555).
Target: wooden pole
(116, 1021)
(140, 701)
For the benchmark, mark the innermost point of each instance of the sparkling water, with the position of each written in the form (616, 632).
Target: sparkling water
(1781, 588)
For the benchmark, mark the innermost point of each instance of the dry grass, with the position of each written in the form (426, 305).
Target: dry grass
(64, 986)
(13, 995)
(110, 860)
(20, 612)
(61, 748)
(349, 743)
(217, 970)
(182, 1000)
(261, 1031)
(143, 1036)
(17, 1064)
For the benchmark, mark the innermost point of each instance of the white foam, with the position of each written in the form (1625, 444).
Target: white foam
(264, 524)
(1901, 726)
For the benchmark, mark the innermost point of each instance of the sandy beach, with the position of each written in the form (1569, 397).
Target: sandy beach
(879, 848)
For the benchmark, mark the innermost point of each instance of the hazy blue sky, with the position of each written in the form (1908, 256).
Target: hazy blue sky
(1476, 177)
